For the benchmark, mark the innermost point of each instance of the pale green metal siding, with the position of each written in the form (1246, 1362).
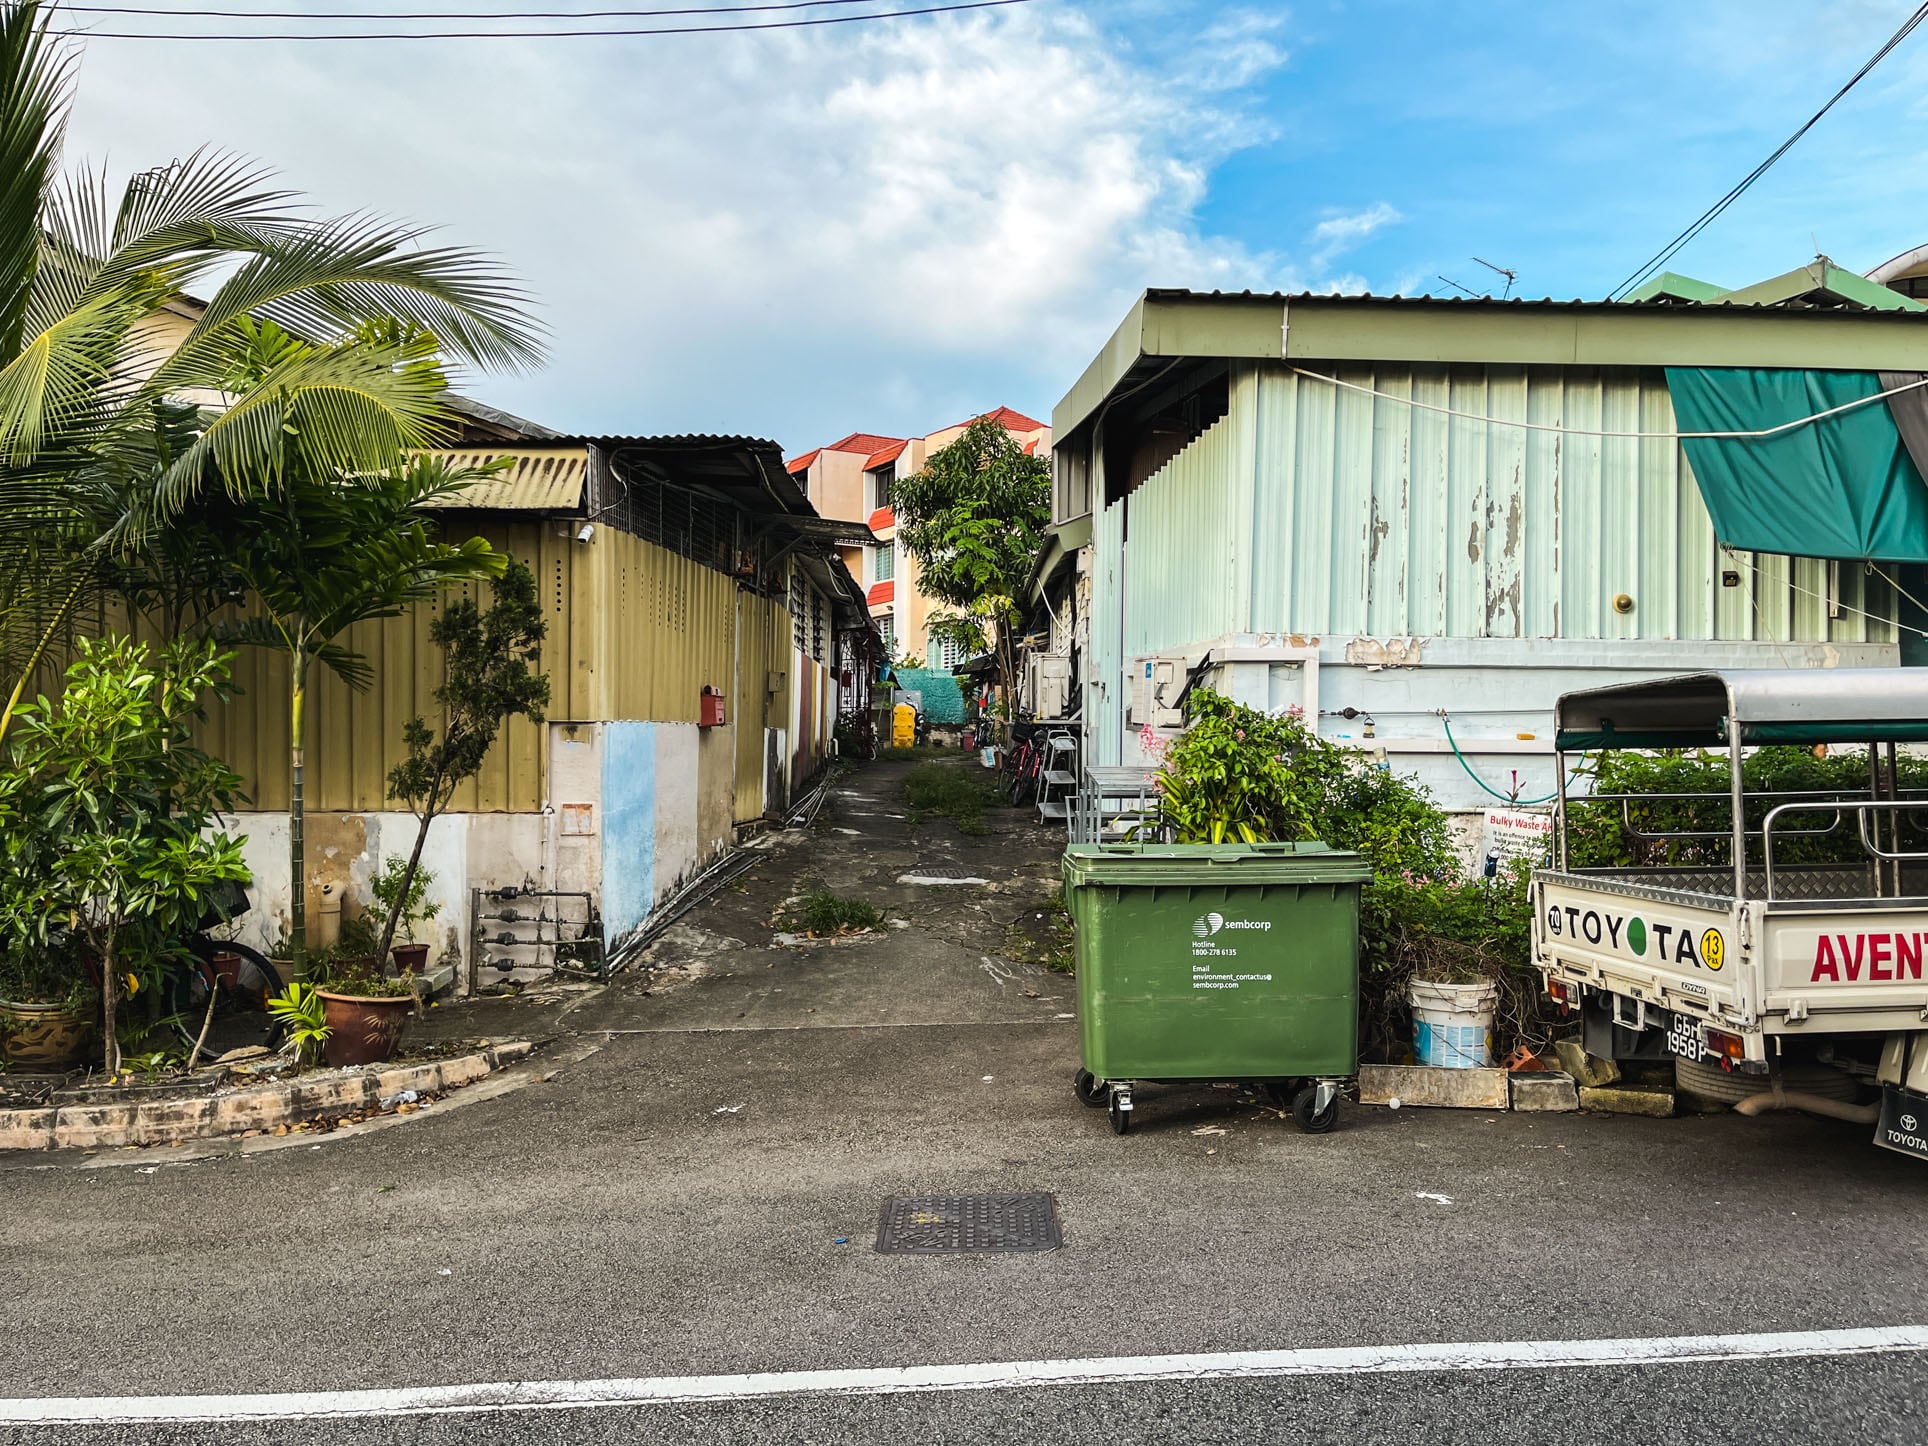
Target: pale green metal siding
(1184, 532)
(1317, 510)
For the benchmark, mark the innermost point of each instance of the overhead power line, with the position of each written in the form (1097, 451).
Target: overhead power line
(607, 34)
(1707, 217)
(347, 15)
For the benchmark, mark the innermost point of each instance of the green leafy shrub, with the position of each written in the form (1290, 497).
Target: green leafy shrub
(1598, 835)
(1241, 775)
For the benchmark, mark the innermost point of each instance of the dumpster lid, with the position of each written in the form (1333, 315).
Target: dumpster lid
(1305, 862)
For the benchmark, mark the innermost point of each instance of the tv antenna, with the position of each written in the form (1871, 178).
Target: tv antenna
(1507, 271)
(1457, 287)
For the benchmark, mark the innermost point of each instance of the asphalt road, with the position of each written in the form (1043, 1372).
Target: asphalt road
(695, 1200)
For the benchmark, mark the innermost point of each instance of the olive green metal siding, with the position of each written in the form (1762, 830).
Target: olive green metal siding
(1313, 509)
(635, 632)
(355, 738)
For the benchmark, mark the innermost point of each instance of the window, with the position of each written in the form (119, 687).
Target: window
(878, 485)
(944, 655)
(798, 634)
(883, 562)
(887, 630)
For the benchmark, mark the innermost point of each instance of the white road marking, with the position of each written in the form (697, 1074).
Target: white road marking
(515, 1396)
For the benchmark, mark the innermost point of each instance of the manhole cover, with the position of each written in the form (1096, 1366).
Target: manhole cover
(967, 1224)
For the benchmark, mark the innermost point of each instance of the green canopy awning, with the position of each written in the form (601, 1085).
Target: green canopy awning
(1843, 487)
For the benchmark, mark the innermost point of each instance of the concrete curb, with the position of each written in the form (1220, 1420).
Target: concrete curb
(254, 1107)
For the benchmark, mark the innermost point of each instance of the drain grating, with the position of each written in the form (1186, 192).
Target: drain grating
(968, 1224)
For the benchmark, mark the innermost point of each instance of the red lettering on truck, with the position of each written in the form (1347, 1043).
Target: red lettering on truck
(1890, 958)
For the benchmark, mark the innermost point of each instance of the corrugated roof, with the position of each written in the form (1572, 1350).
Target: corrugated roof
(548, 479)
(1483, 303)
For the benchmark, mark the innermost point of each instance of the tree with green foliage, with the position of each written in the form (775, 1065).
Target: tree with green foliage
(109, 809)
(322, 553)
(975, 519)
(490, 676)
(96, 338)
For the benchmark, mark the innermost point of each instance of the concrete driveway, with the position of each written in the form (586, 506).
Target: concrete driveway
(699, 1198)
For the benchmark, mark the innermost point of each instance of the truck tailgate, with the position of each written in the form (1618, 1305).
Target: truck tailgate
(1673, 950)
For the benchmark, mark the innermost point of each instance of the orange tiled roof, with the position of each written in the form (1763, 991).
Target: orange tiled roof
(888, 454)
(883, 519)
(865, 442)
(881, 592)
(802, 464)
(1011, 420)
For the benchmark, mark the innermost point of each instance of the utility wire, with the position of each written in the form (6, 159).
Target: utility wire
(1757, 434)
(945, 9)
(1707, 217)
(346, 15)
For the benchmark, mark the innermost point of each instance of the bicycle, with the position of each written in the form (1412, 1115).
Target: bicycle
(237, 979)
(1026, 770)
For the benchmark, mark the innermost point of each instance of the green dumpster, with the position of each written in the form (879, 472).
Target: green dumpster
(1217, 962)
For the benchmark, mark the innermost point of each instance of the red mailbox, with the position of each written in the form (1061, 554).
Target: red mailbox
(713, 714)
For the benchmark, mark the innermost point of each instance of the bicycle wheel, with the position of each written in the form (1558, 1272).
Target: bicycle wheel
(242, 990)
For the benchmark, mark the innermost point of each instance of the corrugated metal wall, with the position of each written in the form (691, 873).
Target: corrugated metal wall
(635, 632)
(669, 630)
(1371, 517)
(764, 637)
(354, 739)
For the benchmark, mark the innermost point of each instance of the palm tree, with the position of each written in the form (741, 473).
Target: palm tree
(324, 331)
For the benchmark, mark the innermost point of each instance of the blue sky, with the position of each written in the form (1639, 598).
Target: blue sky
(887, 227)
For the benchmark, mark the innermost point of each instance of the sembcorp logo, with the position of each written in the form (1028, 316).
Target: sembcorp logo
(1206, 925)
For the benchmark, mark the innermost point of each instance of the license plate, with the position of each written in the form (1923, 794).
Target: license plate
(1904, 1122)
(1683, 1038)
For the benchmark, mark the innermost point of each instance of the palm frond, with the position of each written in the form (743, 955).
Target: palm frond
(354, 408)
(334, 276)
(34, 85)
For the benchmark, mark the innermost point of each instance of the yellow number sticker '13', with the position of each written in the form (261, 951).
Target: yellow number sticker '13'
(1713, 949)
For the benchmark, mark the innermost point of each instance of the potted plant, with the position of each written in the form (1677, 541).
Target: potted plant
(405, 899)
(46, 1009)
(364, 1009)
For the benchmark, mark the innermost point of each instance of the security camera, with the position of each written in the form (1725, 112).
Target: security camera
(586, 532)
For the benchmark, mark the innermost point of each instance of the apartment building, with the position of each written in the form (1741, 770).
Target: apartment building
(850, 480)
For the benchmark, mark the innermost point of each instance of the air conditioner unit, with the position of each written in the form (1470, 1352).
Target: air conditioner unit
(1048, 686)
(1155, 687)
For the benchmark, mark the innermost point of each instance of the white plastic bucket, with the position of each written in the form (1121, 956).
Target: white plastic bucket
(1453, 1023)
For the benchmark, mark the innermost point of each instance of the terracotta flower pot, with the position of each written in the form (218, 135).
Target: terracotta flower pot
(44, 1037)
(411, 958)
(363, 1029)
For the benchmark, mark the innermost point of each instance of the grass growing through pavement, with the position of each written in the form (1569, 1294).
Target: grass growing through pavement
(822, 914)
(948, 790)
(1044, 936)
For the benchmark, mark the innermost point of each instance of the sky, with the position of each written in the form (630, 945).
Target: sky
(889, 227)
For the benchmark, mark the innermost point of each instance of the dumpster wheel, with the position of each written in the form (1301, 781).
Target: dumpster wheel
(1307, 1114)
(1120, 1111)
(1091, 1093)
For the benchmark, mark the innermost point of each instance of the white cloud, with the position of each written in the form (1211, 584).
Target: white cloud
(1338, 234)
(874, 226)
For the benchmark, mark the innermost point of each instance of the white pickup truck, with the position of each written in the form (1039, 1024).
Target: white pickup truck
(1722, 952)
